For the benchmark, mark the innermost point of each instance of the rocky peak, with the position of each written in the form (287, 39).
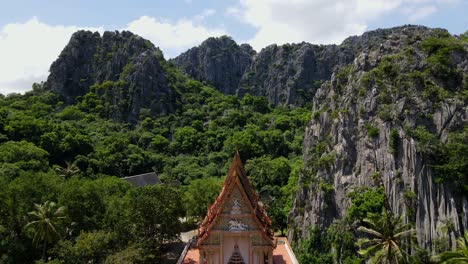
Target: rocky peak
(129, 65)
(218, 61)
(371, 40)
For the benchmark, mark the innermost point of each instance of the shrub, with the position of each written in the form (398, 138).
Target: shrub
(440, 64)
(427, 143)
(372, 131)
(434, 93)
(394, 141)
(385, 112)
(365, 201)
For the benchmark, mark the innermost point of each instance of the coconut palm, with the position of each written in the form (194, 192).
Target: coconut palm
(388, 236)
(47, 223)
(460, 255)
(69, 170)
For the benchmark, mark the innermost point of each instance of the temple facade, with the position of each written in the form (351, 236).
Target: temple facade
(236, 229)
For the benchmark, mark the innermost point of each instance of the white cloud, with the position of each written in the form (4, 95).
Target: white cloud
(206, 13)
(418, 13)
(20, 85)
(234, 11)
(319, 21)
(27, 50)
(448, 2)
(322, 21)
(172, 38)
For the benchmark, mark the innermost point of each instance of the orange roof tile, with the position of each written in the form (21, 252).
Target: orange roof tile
(192, 257)
(283, 253)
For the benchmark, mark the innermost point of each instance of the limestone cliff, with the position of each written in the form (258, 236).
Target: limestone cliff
(124, 69)
(218, 61)
(291, 73)
(383, 121)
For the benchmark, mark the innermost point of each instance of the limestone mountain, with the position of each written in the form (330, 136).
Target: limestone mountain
(218, 61)
(123, 69)
(394, 120)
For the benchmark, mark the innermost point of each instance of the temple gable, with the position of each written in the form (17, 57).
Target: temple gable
(236, 228)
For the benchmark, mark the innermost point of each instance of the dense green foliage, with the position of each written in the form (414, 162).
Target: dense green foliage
(335, 245)
(70, 155)
(365, 202)
(198, 194)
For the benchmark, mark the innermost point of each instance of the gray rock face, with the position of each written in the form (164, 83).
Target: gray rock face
(290, 74)
(218, 61)
(128, 63)
(350, 101)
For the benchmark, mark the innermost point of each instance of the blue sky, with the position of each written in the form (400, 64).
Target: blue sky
(32, 33)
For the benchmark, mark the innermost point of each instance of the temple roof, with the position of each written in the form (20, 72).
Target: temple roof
(236, 176)
(142, 180)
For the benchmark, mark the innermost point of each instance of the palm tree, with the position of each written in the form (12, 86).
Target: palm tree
(460, 255)
(47, 223)
(388, 236)
(69, 170)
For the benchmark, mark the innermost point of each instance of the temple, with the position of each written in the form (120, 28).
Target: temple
(236, 229)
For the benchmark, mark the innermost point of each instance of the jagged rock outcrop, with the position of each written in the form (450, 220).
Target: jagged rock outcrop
(366, 128)
(218, 61)
(290, 74)
(123, 69)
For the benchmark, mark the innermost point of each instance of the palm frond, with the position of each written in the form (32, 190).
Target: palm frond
(369, 231)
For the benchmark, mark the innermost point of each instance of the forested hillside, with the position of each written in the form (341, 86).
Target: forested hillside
(73, 155)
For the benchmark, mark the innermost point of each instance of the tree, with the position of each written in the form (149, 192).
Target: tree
(273, 142)
(159, 143)
(154, 213)
(248, 142)
(460, 255)
(314, 249)
(200, 194)
(89, 247)
(366, 201)
(69, 170)
(257, 103)
(186, 140)
(342, 242)
(389, 235)
(264, 172)
(48, 223)
(83, 199)
(24, 155)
